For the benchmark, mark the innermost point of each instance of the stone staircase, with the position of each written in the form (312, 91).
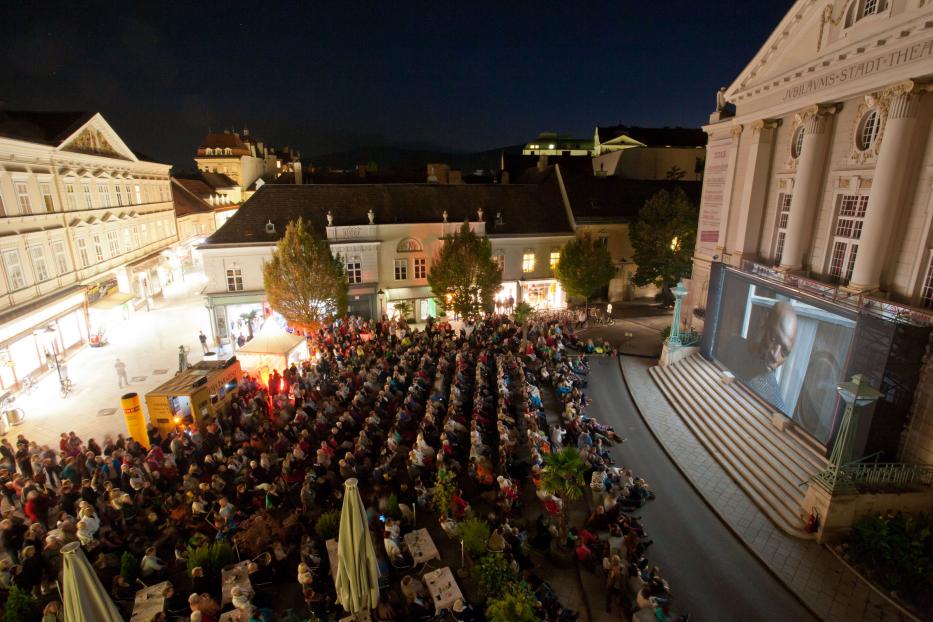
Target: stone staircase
(766, 460)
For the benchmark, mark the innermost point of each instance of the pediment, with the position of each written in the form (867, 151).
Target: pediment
(96, 137)
(793, 44)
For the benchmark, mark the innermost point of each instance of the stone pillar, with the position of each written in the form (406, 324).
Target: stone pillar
(754, 190)
(679, 292)
(900, 103)
(816, 122)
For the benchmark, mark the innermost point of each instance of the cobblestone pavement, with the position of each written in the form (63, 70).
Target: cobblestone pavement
(830, 589)
(147, 342)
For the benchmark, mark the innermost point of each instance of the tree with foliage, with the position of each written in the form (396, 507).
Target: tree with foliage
(585, 266)
(663, 238)
(463, 277)
(21, 606)
(562, 476)
(303, 280)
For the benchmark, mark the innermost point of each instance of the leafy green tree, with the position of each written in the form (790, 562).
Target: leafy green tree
(562, 476)
(21, 606)
(303, 280)
(663, 238)
(585, 265)
(463, 277)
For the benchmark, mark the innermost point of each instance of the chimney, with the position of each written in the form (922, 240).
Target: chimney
(542, 162)
(296, 166)
(505, 177)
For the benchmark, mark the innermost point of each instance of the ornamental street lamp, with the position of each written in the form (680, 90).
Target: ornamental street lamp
(673, 341)
(47, 337)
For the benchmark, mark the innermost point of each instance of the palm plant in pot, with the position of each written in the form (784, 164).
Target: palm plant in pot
(563, 477)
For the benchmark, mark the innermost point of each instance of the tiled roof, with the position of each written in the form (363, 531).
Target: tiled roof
(186, 202)
(211, 180)
(614, 199)
(195, 186)
(49, 128)
(223, 140)
(525, 209)
(656, 136)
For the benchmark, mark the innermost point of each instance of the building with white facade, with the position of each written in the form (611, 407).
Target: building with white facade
(387, 235)
(818, 178)
(83, 221)
(245, 160)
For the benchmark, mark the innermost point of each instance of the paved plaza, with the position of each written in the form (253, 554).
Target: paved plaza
(147, 343)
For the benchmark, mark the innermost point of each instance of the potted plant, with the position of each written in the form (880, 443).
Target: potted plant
(328, 525)
(562, 476)
(492, 575)
(445, 484)
(21, 606)
(474, 533)
(516, 605)
(129, 567)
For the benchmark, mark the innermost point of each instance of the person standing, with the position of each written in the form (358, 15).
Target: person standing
(120, 366)
(203, 339)
(182, 359)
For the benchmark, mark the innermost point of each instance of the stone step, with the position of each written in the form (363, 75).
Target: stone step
(764, 471)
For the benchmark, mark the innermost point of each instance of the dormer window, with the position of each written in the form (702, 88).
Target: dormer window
(228, 151)
(270, 227)
(208, 151)
(499, 221)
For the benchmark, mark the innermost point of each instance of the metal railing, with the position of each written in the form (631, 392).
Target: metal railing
(690, 338)
(868, 471)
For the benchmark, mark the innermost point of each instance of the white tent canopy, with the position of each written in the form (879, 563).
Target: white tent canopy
(272, 348)
(85, 599)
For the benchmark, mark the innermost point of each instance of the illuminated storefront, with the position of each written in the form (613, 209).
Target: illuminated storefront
(543, 294)
(31, 342)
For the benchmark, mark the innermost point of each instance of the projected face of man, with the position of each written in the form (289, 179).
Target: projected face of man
(780, 333)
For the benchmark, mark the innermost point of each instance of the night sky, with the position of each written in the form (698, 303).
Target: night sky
(326, 77)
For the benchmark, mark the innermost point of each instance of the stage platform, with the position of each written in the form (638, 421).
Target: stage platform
(766, 455)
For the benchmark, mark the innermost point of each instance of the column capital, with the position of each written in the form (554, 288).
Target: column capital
(814, 118)
(899, 100)
(765, 124)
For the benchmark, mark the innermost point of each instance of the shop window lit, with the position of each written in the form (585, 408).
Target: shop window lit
(14, 270)
(528, 261)
(401, 269)
(421, 267)
(37, 255)
(82, 252)
(46, 190)
(61, 260)
(354, 267)
(234, 280)
(555, 259)
(22, 197)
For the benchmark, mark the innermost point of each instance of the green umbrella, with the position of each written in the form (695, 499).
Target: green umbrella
(357, 575)
(85, 599)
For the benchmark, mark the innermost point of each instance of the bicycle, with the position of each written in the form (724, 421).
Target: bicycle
(29, 384)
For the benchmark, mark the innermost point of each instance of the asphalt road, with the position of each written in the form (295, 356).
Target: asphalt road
(712, 575)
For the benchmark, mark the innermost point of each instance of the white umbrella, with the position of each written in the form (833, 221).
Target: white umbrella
(357, 574)
(85, 599)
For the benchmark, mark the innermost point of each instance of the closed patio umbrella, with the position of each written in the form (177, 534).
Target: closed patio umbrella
(357, 575)
(85, 599)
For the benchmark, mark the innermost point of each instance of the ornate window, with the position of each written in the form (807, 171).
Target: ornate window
(113, 243)
(82, 252)
(234, 280)
(61, 261)
(867, 131)
(37, 255)
(98, 248)
(871, 7)
(22, 197)
(104, 194)
(46, 190)
(926, 290)
(409, 245)
(354, 268)
(783, 214)
(528, 260)
(401, 269)
(70, 196)
(86, 190)
(14, 270)
(846, 235)
(796, 146)
(421, 267)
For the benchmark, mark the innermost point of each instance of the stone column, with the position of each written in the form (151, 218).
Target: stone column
(754, 190)
(816, 122)
(900, 103)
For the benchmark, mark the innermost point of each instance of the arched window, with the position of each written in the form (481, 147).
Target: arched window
(867, 131)
(409, 245)
(796, 146)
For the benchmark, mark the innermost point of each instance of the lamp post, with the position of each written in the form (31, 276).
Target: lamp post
(51, 349)
(673, 341)
(856, 393)
(380, 300)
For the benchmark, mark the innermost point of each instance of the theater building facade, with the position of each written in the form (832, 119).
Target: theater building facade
(819, 181)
